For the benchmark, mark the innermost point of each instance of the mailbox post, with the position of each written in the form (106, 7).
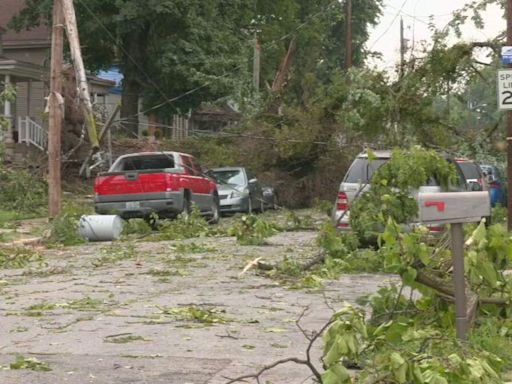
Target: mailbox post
(455, 208)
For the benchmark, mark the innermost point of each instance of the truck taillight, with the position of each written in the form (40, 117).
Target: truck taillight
(342, 202)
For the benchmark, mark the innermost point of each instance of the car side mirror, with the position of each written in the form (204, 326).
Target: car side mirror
(253, 181)
(474, 186)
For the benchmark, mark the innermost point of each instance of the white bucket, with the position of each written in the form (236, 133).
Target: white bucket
(100, 227)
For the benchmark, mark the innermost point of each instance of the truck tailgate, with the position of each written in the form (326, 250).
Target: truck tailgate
(128, 183)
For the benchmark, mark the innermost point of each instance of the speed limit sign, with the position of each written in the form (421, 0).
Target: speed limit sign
(505, 89)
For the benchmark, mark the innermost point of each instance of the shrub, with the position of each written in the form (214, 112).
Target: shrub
(64, 228)
(22, 192)
(252, 230)
(184, 227)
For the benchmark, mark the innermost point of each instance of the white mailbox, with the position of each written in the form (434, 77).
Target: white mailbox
(453, 207)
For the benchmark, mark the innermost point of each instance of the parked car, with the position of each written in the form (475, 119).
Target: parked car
(357, 181)
(165, 183)
(239, 190)
(473, 174)
(497, 184)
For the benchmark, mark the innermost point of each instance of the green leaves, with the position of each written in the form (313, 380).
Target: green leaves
(392, 186)
(336, 374)
(252, 230)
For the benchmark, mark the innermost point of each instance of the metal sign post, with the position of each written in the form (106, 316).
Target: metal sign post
(455, 208)
(461, 320)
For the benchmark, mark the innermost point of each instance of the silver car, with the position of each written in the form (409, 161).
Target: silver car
(239, 190)
(357, 181)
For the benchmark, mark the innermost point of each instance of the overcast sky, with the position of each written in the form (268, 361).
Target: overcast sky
(385, 38)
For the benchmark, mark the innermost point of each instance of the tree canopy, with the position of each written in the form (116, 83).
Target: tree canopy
(201, 51)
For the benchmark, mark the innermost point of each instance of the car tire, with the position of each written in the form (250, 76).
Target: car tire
(187, 206)
(215, 211)
(275, 203)
(262, 205)
(249, 205)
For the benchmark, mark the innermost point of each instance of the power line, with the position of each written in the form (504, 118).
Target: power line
(419, 16)
(171, 100)
(227, 134)
(109, 34)
(389, 27)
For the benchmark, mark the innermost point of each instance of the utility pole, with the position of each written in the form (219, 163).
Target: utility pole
(56, 113)
(348, 42)
(78, 63)
(256, 62)
(402, 48)
(509, 126)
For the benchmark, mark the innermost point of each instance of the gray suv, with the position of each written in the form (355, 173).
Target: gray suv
(357, 181)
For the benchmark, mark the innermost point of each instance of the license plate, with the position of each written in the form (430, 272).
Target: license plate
(133, 205)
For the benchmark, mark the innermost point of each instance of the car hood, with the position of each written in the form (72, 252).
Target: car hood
(228, 188)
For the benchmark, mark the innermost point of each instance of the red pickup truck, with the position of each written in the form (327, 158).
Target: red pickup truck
(165, 183)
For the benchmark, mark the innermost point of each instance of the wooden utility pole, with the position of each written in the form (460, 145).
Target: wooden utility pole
(348, 42)
(256, 63)
(509, 125)
(56, 113)
(76, 56)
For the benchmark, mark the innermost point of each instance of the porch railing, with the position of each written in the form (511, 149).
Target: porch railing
(30, 132)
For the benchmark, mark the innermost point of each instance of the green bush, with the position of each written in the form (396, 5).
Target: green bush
(64, 228)
(136, 227)
(22, 192)
(252, 230)
(184, 227)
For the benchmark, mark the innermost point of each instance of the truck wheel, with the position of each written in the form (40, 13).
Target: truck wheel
(215, 211)
(187, 206)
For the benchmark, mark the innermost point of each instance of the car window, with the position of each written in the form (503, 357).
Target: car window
(461, 180)
(250, 175)
(187, 164)
(146, 162)
(362, 170)
(232, 176)
(470, 170)
(196, 169)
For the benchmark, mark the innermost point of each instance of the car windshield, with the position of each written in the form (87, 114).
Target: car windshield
(232, 176)
(470, 170)
(362, 170)
(487, 169)
(146, 162)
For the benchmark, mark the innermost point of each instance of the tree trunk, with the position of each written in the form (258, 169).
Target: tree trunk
(130, 103)
(281, 77)
(133, 60)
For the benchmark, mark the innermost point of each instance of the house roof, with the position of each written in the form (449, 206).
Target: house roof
(113, 74)
(21, 70)
(37, 37)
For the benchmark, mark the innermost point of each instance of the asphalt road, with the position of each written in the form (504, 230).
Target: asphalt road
(146, 312)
